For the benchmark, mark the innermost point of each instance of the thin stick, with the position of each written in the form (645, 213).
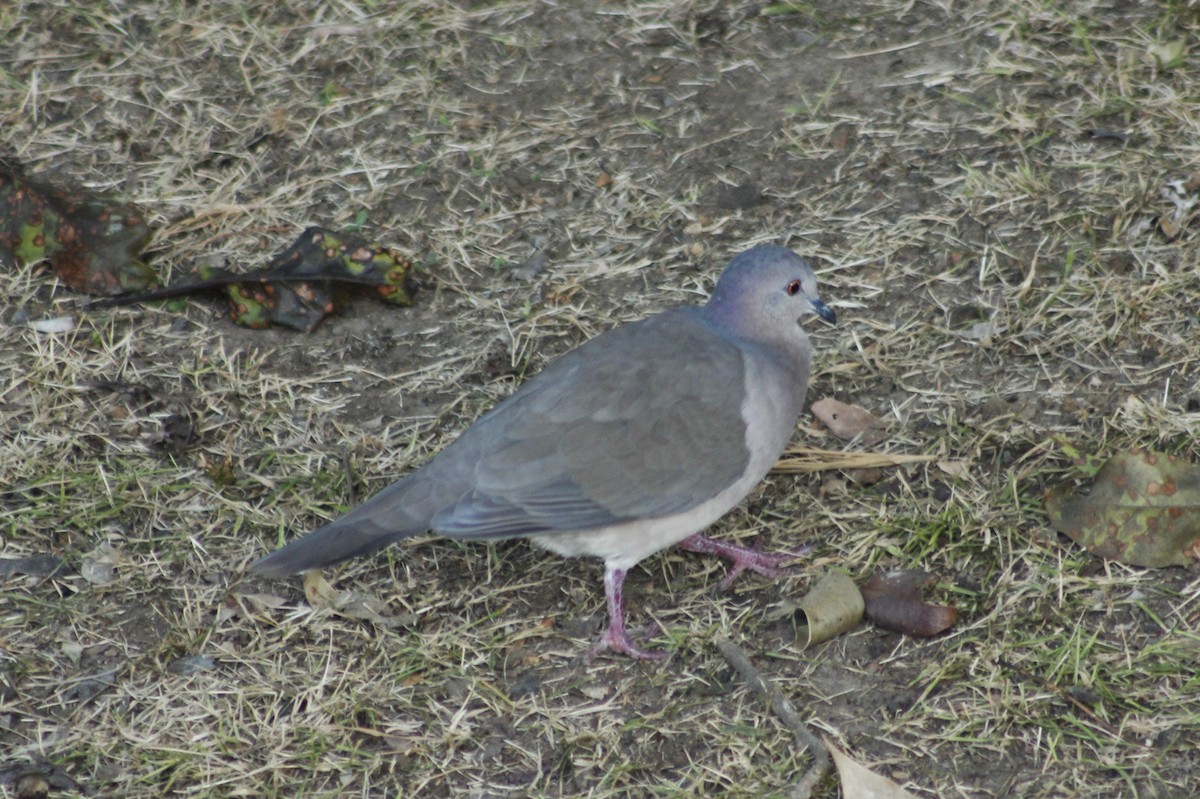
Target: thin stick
(759, 685)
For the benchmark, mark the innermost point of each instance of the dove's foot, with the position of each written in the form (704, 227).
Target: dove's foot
(616, 638)
(741, 558)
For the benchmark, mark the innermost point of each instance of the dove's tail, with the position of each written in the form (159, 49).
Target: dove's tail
(383, 519)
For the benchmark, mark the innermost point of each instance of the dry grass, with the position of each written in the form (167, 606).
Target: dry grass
(942, 164)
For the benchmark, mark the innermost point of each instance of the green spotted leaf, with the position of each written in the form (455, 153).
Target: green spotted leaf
(300, 285)
(1143, 508)
(92, 240)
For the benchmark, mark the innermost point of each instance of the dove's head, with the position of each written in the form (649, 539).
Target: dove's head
(763, 295)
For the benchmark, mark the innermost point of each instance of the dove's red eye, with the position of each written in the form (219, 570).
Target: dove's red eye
(793, 288)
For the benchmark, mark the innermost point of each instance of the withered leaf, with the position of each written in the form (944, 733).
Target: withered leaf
(849, 421)
(92, 241)
(297, 288)
(192, 664)
(893, 602)
(859, 782)
(831, 607)
(1143, 509)
(323, 595)
(100, 565)
(319, 592)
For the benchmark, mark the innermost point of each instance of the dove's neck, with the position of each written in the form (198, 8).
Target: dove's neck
(784, 352)
(785, 338)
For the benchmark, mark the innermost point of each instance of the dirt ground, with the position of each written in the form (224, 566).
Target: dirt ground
(1000, 199)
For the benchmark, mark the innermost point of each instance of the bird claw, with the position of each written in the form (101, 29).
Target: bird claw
(742, 559)
(615, 639)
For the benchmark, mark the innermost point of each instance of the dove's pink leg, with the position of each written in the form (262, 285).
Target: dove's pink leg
(741, 558)
(615, 638)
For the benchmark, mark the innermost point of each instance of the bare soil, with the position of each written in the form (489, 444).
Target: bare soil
(996, 196)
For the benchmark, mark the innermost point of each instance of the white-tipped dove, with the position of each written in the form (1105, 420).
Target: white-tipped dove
(636, 440)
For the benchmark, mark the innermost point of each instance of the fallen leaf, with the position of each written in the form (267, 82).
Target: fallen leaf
(261, 602)
(91, 240)
(57, 324)
(322, 595)
(1169, 227)
(192, 664)
(532, 267)
(1169, 55)
(859, 782)
(86, 688)
(1176, 192)
(832, 487)
(832, 607)
(893, 602)
(957, 469)
(864, 477)
(849, 421)
(403, 744)
(319, 592)
(74, 651)
(1143, 508)
(32, 785)
(596, 692)
(297, 287)
(356, 605)
(100, 565)
(983, 332)
(36, 780)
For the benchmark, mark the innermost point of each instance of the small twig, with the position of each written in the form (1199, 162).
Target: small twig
(761, 686)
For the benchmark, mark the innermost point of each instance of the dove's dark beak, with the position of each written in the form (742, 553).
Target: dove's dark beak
(824, 311)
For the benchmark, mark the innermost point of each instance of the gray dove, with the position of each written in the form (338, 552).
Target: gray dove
(636, 440)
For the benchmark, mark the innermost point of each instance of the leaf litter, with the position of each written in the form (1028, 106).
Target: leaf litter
(91, 240)
(893, 601)
(299, 286)
(1142, 508)
(850, 422)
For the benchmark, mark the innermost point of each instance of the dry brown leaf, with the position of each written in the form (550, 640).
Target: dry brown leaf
(357, 605)
(832, 487)
(100, 565)
(261, 602)
(865, 477)
(833, 606)
(849, 421)
(893, 602)
(983, 332)
(958, 469)
(597, 691)
(859, 782)
(319, 592)
(322, 595)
